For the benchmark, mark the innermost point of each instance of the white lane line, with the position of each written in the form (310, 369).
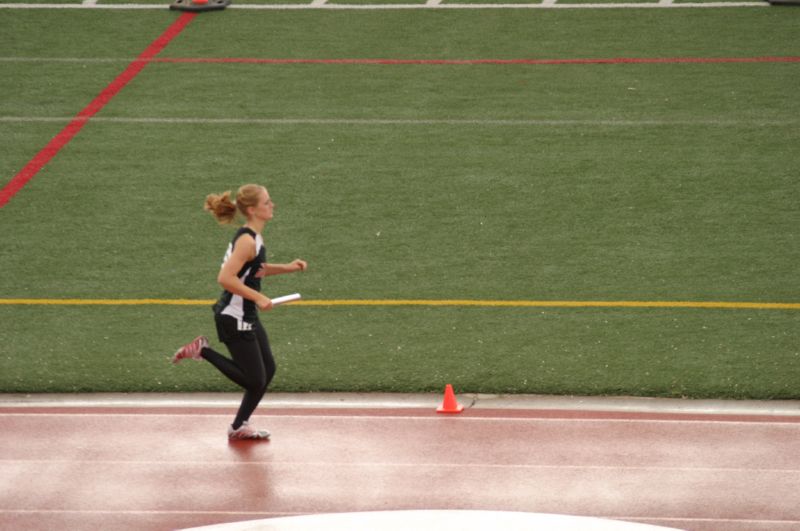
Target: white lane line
(368, 7)
(66, 60)
(82, 6)
(433, 465)
(401, 122)
(788, 422)
(417, 401)
(268, 514)
(145, 512)
(750, 522)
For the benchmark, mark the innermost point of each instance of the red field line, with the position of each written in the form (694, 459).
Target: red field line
(617, 60)
(101, 100)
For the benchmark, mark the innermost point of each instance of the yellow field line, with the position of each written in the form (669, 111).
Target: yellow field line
(557, 304)
(423, 302)
(105, 302)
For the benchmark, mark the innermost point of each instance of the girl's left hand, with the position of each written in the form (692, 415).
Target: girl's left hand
(299, 265)
(294, 265)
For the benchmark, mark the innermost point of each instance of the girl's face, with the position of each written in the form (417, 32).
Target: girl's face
(263, 210)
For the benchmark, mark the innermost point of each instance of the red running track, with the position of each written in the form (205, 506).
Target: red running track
(172, 467)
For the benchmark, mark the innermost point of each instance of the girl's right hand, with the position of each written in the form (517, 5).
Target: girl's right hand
(264, 303)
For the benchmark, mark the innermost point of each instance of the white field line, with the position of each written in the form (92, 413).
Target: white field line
(652, 519)
(65, 60)
(655, 520)
(792, 424)
(265, 514)
(322, 401)
(401, 122)
(389, 464)
(322, 4)
(752, 523)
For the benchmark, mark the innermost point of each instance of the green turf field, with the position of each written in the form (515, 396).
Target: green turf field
(560, 182)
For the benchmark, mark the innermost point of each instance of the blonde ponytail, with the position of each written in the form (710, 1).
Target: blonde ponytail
(222, 208)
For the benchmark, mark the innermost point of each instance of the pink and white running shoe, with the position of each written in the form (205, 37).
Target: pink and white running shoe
(191, 350)
(246, 431)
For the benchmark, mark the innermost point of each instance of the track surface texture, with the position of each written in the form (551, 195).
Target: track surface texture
(164, 461)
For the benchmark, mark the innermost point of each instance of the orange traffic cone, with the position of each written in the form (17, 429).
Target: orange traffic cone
(449, 404)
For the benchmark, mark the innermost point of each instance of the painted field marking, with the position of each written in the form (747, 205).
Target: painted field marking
(471, 62)
(433, 465)
(112, 512)
(12, 59)
(407, 122)
(655, 520)
(101, 100)
(433, 62)
(425, 302)
(324, 5)
(781, 422)
(546, 4)
(751, 523)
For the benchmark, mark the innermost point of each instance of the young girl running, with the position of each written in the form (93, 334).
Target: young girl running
(236, 311)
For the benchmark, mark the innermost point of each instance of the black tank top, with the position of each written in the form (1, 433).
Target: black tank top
(244, 310)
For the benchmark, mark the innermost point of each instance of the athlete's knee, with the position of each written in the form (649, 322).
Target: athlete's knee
(256, 383)
(270, 375)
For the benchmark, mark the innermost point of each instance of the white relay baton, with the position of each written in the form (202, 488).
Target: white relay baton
(286, 298)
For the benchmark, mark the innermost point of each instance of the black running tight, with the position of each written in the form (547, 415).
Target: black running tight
(251, 368)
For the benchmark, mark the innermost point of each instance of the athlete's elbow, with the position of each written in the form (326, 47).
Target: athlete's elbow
(224, 281)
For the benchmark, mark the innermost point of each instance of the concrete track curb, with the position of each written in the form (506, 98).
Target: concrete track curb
(401, 400)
